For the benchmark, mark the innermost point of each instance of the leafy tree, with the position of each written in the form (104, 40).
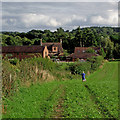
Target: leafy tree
(26, 41)
(116, 51)
(102, 52)
(90, 50)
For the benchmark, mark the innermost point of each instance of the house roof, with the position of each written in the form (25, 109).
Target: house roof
(82, 55)
(80, 49)
(22, 49)
(51, 44)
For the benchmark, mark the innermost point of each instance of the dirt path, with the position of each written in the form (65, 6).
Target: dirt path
(50, 97)
(58, 109)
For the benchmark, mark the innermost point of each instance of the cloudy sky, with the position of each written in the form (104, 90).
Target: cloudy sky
(25, 16)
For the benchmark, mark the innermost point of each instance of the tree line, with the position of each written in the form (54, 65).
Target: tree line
(104, 37)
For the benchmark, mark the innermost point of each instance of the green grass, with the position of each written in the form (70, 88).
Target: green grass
(95, 98)
(36, 101)
(104, 85)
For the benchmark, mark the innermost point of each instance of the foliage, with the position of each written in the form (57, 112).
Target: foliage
(29, 71)
(102, 52)
(106, 37)
(79, 67)
(65, 52)
(90, 65)
(14, 61)
(90, 50)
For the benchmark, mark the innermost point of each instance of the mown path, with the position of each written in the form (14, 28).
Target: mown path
(95, 98)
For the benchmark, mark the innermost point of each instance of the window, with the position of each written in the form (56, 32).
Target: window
(45, 53)
(54, 48)
(78, 51)
(83, 51)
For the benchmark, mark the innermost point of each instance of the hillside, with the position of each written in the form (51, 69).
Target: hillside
(95, 98)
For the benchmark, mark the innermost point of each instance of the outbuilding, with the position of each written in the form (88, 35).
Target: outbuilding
(22, 52)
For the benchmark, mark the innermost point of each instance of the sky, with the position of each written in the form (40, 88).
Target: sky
(26, 15)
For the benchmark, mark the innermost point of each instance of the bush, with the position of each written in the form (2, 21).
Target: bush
(90, 50)
(8, 78)
(95, 61)
(90, 65)
(14, 61)
(102, 52)
(78, 68)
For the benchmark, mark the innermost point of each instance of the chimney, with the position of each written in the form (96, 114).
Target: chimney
(40, 42)
(61, 41)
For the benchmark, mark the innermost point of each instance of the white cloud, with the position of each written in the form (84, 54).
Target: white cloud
(110, 19)
(81, 18)
(53, 23)
(109, 10)
(39, 19)
(10, 21)
(72, 18)
(31, 20)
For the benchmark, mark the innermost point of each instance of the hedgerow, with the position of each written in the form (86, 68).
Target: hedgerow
(17, 73)
(90, 65)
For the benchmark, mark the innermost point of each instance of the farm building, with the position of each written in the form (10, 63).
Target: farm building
(53, 48)
(22, 52)
(82, 54)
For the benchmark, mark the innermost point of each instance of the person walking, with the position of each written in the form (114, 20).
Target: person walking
(83, 76)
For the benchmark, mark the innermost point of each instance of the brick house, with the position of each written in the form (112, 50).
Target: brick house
(80, 53)
(53, 48)
(22, 52)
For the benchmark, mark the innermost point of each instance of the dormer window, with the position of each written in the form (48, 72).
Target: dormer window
(54, 49)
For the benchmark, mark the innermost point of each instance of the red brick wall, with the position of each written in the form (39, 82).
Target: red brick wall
(21, 55)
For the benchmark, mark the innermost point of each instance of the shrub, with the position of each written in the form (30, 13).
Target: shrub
(102, 52)
(90, 50)
(8, 78)
(90, 65)
(79, 67)
(14, 61)
(95, 61)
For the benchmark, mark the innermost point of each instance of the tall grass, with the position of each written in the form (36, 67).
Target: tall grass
(29, 71)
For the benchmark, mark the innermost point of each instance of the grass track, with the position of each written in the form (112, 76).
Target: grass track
(98, 100)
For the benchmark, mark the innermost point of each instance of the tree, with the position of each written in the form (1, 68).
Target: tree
(116, 51)
(108, 45)
(90, 50)
(26, 41)
(18, 40)
(102, 52)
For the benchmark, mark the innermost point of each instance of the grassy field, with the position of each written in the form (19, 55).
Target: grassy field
(95, 98)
